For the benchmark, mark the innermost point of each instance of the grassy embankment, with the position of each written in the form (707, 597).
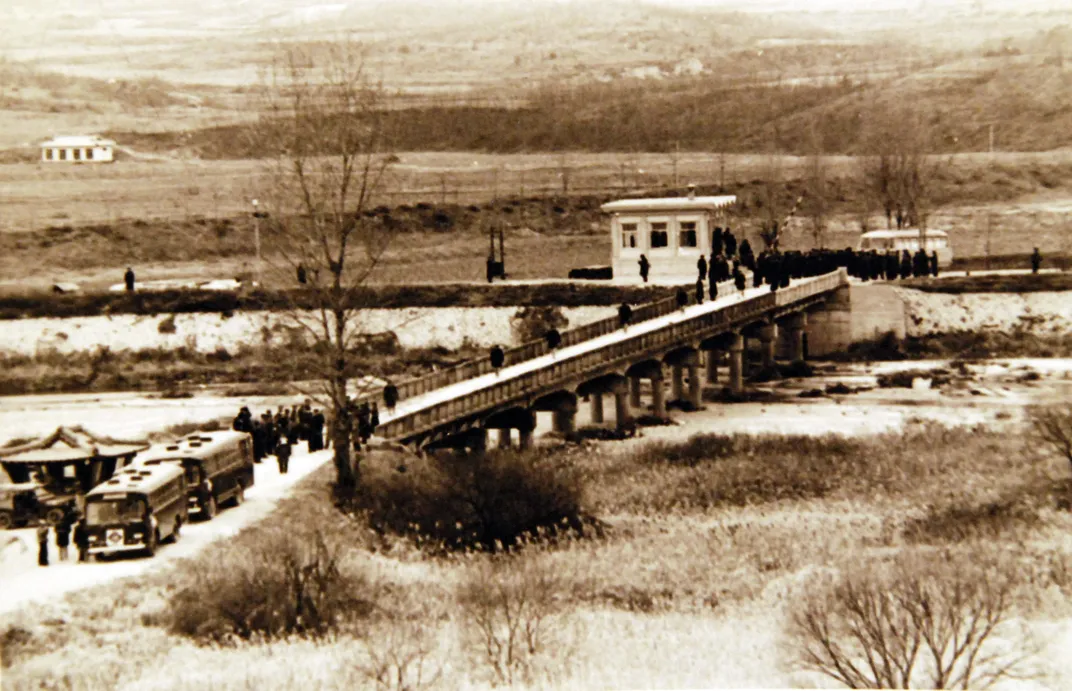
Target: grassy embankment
(709, 544)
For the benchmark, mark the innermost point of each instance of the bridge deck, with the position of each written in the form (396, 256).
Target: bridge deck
(459, 390)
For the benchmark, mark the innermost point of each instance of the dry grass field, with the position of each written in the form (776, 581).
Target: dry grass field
(710, 545)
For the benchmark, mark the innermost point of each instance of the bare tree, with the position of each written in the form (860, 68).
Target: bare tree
(323, 133)
(917, 625)
(1052, 426)
(897, 173)
(771, 202)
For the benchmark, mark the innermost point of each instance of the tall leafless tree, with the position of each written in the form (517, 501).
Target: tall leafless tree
(322, 130)
(896, 168)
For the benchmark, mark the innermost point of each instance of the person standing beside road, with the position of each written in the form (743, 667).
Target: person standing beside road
(282, 456)
(42, 545)
(645, 267)
(63, 538)
(81, 536)
(128, 278)
(1036, 261)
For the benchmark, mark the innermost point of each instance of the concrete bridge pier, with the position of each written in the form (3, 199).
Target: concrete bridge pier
(711, 366)
(521, 419)
(695, 386)
(658, 394)
(596, 406)
(736, 358)
(677, 385)
(796, 324)
(768, 338)
(563, 408)
(634, 390)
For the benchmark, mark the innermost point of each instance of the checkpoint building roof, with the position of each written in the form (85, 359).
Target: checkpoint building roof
(77, 141)
(711, 203)
(68, 444)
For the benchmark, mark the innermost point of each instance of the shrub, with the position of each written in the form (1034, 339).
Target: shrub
(279, 582)
(507, 607)
(483, 501)
(916, 624)
(532, 323)
(1052, 428)
(167, 325)
(961, 521)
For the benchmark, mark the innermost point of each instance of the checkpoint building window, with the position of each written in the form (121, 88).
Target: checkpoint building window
(629, 235)
(659, 236)
(687, 234)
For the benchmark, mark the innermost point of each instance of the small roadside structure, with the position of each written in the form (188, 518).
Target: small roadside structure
(78, 149)
(671, 232)
(65, 465)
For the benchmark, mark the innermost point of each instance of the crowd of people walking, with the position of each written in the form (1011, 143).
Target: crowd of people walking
(729, 261)
(276, 434)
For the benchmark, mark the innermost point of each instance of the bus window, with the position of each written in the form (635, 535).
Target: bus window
(130, 510)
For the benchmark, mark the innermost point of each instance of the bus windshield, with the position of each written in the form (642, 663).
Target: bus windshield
(129, 510)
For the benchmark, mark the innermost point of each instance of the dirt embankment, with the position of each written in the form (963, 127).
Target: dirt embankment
(1042, 313)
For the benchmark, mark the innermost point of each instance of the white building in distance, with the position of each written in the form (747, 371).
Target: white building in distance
(78, 149)
(672, 232)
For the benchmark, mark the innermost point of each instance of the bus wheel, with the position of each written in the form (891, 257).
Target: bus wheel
(210, 508)
(7, 519)
(239, 495)
(152, 542)
(55, 515)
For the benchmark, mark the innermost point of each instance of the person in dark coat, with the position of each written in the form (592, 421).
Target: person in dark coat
(645, 267)
(739, 280)
(302, 277)
(731, 243)
(42, 545)
(63, 538)
(712, 277)
(699, 291)
(282, 457)
(258, 440)
(318, 430)
(375, 419)
(717, 242)
(1036, 261)
(128, 278)
(701, 267)
(906, 264)
(81, 537)
(934, 264)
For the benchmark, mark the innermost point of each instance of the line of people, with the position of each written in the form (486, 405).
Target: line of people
(276, 434)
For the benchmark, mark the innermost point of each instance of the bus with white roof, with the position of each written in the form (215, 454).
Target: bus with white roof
(218, 467)
(934, 240)
(136, 510)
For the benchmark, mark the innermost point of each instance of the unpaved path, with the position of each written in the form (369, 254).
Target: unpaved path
(25, 582)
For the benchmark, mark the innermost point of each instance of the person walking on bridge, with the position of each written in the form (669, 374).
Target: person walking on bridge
(645, 267)
(701, 267)
(1036, 261)
(42, 545)
(128, 279)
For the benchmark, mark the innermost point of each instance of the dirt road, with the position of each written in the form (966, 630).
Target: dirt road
(25, 582)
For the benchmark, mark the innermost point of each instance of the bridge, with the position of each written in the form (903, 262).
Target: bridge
(456, 407)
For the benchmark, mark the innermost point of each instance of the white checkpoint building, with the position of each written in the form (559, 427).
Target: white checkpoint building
(672, 232)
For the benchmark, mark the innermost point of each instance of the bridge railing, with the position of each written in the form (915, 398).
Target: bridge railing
(569, 368)
(534, 349)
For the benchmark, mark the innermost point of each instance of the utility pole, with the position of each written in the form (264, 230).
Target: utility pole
(989, 227)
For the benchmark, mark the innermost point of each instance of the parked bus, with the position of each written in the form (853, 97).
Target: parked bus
(136, 510)
(218, 466)
(908, 239)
